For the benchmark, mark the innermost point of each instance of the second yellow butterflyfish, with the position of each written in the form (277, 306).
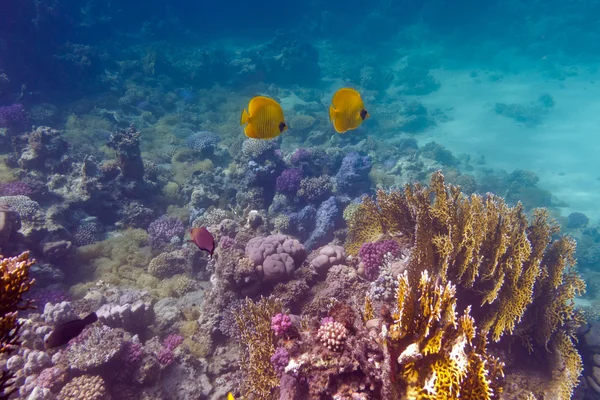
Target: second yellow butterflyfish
(263, 119)
(347, 110)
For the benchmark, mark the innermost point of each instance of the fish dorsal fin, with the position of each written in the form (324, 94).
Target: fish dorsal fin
(343, 94)
(259, 102)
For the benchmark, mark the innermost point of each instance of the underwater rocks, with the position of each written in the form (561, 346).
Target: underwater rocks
(44, 150)
(529, 115)
(126, 143)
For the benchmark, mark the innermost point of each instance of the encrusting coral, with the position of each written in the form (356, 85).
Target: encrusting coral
(14, 282)
(519, 278)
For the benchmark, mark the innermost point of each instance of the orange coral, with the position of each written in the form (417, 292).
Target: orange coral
(14, 282)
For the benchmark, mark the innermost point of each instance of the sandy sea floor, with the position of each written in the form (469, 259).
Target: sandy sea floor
(564, 150)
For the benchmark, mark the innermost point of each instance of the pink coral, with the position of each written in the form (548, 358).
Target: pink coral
(332, 335)
(166, 356)
(280, 323)
(371, 255)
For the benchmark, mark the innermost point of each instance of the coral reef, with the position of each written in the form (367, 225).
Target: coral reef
(519, 276)
(14, 283)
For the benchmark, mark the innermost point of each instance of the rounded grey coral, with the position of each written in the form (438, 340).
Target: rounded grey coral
(278, 255)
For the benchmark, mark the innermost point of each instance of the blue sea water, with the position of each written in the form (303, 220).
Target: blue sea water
(501, 95)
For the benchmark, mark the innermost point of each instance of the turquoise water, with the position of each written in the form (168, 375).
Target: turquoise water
(120, 133)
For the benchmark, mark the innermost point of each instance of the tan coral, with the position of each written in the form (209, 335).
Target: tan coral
(85, 387)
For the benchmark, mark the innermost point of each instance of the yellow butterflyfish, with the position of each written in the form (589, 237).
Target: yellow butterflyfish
(347, 110)
(264, 118)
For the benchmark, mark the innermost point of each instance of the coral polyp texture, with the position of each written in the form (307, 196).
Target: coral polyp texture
(14, 283)
(516, 273)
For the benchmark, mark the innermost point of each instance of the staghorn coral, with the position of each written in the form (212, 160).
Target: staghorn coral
(14, 283)
(253, 321)
(518, 276)
(441, 355)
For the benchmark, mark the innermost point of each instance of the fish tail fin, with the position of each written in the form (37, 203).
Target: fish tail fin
(91, 318)
(245, 117)
(331, 113)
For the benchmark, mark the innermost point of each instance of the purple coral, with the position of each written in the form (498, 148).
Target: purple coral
(300, 155)
(227, 242)
(289, 181)
(166, 356)
(280, 360)
(172, 341)
(164, 229)
(371, 254)
(280, 323)
(13, 118)
(131, 357)
(15, 188)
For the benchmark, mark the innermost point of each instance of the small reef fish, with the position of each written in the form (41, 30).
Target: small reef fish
(202, 238)
(264, 118)
(347, 110)
(63, 333)
(230, 396)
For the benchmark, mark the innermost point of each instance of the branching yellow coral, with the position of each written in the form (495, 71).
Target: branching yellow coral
(518, 278)
(439, 358)
(253, 320)
(14, 282)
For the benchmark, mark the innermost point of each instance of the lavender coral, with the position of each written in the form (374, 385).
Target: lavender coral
(15, 188)
(289, 181)
(164, 229)
(166, 354)
(371, 255)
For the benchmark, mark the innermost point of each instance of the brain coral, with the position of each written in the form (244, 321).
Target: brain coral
(277, 255)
